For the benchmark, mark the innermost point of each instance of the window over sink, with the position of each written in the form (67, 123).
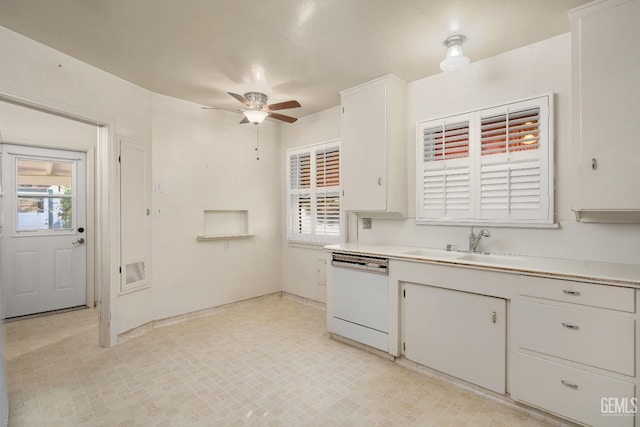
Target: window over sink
(492, 166)
(313, 193)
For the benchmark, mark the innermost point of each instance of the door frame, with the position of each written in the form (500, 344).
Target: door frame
(106, 201)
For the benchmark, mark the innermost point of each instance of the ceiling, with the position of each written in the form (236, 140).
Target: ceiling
(307, 50)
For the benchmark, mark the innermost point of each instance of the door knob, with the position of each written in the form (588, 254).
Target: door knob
(79, 241)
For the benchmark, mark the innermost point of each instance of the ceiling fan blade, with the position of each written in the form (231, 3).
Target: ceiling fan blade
(243, 121)
(282, 117)
(282, 105)
(235, 110)
(240, 98)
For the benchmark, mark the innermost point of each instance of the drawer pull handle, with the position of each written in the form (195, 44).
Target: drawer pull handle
(570, 292)
(569, 384)
(570, 325)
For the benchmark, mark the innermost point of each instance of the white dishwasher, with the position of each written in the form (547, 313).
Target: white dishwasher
(360, 298)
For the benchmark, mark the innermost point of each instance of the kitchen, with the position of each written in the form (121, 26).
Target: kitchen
(507, 77)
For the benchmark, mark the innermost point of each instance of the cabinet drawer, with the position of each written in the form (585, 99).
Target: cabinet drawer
(572, 393)
(603, 296)
(600, 340)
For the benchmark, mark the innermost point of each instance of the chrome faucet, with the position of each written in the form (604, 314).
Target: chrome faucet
(474, 238)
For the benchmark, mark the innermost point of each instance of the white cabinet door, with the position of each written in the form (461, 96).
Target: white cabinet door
(572, 392)
(135, 211)
(364, 148)
(458, 333)
(606, 74)
(373, 150)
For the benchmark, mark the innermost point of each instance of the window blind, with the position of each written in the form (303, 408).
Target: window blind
(491, 165)
(445, 172)
(449, 141)
(511, 169)
(314, 193)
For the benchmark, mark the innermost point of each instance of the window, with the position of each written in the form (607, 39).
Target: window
(313, 183)
(44, 195)
(491, 166)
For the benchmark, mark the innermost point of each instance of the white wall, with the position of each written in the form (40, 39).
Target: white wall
(300, 262)
(36, 72)
(205, 160)
(532, 70)
(25, 126)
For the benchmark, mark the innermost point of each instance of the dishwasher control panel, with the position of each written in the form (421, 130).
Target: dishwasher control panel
(369, 264)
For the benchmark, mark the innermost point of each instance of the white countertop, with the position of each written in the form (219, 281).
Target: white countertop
(592, 271)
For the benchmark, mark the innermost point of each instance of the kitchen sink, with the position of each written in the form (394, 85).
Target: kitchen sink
(473, 257)
(432, 253)
(493, 259)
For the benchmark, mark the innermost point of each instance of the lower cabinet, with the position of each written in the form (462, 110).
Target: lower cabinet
(575, 393)
(577, 350)
(459, 333)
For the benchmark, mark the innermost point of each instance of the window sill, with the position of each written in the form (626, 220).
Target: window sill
(307, 245)
(208, 237)
(469, 223)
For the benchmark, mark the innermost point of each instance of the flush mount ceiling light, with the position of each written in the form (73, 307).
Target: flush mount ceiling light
(255, 116)
(455, 58)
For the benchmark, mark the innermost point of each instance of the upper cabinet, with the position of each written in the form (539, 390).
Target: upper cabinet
(374, 148)
(606, 90)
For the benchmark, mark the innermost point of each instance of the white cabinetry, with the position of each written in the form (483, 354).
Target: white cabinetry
(459, 333)
(606, 89)
(373, 150)
(577, 345)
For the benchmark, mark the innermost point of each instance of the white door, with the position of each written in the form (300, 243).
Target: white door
(44, 255)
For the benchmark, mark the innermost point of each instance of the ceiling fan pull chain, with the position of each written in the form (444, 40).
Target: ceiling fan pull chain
(257, 142)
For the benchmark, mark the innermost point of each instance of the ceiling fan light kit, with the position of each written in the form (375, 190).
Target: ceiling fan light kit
(255, 116)
(455, 58)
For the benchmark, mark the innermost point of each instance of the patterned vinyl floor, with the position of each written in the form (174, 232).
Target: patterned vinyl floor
(268, 362)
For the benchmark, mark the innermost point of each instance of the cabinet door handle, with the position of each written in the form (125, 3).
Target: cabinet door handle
(570, 325)
(379, 181)
(493, 317)
(570, 292)
(569, 384)
(594, 164)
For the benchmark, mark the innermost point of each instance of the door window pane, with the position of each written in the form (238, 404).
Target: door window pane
(44, 195)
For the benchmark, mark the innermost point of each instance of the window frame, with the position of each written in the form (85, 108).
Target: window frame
(314, 192)
(17, 195)
(542, 216)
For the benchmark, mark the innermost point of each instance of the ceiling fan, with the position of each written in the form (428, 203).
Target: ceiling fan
(258, 110)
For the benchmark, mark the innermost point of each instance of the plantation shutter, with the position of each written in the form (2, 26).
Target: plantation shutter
(328, 191)
(445, 186)
(514, 162)
(313, 176)
(300, 214)
(492, 166)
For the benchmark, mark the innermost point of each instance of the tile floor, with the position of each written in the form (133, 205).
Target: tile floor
(269, 362)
